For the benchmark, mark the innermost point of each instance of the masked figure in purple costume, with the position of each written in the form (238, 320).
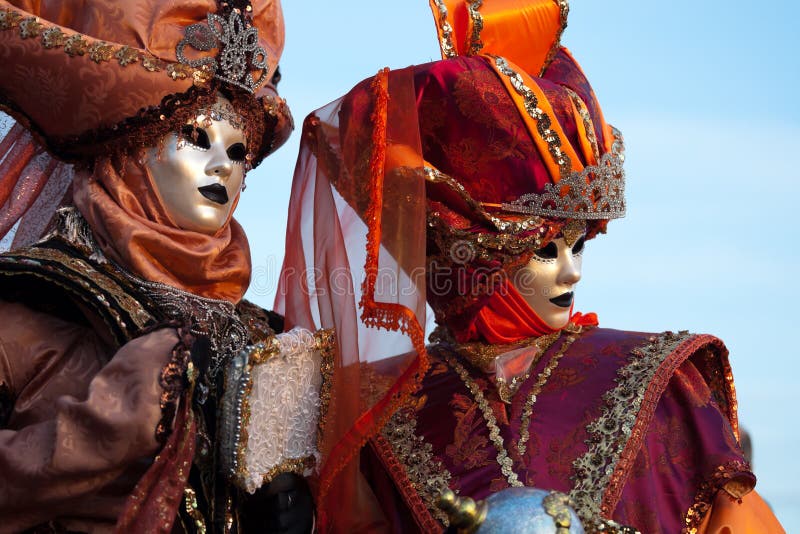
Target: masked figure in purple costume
(478, 180)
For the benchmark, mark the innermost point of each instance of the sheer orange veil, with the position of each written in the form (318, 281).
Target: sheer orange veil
(358, 206)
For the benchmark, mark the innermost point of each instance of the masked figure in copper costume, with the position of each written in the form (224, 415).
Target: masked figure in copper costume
(478, 180)
(139, 392)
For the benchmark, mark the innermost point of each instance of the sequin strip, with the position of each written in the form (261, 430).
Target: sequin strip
(588, 125)
(436, 176)
(541, 380)
(506, 464)
(424, 471)
(563, 6)
(609, 433)
(476, 21)
(190, 504)
(76, 44)
(446, 31)
(543, 122)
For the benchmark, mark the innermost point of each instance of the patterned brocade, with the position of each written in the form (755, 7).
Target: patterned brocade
(608, 411)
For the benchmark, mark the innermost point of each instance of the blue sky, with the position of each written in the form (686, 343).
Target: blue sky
(704, 93)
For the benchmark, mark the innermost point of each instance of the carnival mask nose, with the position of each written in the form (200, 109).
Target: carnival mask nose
(199, 171)
(548, 280)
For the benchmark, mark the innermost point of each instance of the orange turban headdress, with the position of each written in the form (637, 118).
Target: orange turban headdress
(94, 82)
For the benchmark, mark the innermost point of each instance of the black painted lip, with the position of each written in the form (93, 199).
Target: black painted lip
(564, 300)
(215, 193)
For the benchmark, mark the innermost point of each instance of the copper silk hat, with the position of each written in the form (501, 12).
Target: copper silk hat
(426, 185)
(89, 77)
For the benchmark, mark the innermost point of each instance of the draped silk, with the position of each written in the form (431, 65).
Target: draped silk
(133, 229)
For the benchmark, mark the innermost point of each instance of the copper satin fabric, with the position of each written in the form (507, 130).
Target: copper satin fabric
(750, 516)
(132, 228)
(42, 82)
(82, 430)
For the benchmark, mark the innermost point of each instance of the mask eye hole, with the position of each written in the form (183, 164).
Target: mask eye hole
(547, 252)
(577, 248)
(237, 152)
(196, 136)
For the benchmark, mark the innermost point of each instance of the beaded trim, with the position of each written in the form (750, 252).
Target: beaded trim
(446, 31)
(426, 474)
(611, 430)
(596, 192)
(76, 44)
(543, 121)
(541, 380)
(476, 21)
(563, 6)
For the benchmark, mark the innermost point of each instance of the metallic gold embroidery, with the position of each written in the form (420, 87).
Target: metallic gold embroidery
(506, 464)
(703, 500)
(446, 40)
(563, 6)
(326, 344)
(425, 472)
(53, 38)
(541, 380)
(100, 52)
(573, 230)
(515, 226)
(543, 121)
(476, 21)
(9, 19)
(127, 55)
(609, 433)
(588, 125)
(76, 44)
(483, 355)
(190, 504)
(30, 27)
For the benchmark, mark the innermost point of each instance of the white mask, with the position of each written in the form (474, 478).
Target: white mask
(547, 281)
(199, 172)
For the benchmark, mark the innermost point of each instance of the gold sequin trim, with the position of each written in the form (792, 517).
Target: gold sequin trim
(563, 6)
(506, 464)
(326, 344)
(191, 507)
(446, 31)
(543, 121)
(541, 380)
(513, 225)
(425, 472)
(610, 432)
(476, 22)
(588, 125)
(76, 44)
